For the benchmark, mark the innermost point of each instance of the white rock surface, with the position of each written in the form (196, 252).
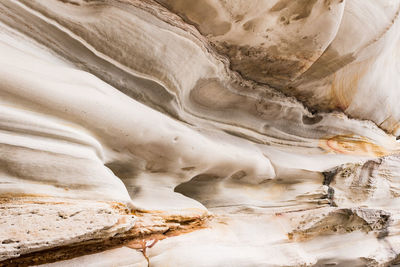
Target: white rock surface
(232, 133)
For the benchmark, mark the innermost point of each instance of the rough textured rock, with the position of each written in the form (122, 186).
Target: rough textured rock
(199, 133)
(28, 225)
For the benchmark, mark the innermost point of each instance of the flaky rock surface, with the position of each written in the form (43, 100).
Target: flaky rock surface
(199, 132)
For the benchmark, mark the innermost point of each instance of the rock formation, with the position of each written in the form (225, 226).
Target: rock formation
(199, 132)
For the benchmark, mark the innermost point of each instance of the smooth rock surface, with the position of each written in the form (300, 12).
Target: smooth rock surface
(199, 133)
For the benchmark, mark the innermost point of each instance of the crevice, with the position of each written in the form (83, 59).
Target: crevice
(329, 176)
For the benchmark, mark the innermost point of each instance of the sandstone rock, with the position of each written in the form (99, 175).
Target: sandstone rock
(199, 133)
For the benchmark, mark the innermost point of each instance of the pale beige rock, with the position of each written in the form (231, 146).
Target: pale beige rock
(114, 257)
(29, 225)
(199, 133)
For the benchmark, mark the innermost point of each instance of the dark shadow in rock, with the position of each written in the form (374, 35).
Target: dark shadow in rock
(202, 187)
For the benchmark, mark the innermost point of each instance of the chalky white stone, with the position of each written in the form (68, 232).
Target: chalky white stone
(199, 132)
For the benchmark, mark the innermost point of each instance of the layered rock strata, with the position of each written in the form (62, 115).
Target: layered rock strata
(199, 133)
